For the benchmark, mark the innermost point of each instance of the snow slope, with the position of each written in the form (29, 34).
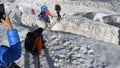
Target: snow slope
(94, 29)
(74, 51)
(65, 49)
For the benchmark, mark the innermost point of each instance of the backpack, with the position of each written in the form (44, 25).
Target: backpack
(29, 41)
(42, 16)
(57, 7)
(44, 8)
(33, 43)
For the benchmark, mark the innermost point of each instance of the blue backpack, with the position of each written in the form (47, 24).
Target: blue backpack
(44, 8)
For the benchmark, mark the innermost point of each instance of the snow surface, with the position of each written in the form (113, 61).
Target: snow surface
(82, 26)
(86, 37)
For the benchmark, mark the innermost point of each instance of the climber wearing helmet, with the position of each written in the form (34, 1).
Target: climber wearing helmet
(45, 13)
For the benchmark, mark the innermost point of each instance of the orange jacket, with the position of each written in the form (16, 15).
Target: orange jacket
(38, 44)
(48, 13)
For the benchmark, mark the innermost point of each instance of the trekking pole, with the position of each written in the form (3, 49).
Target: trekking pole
(38, 61)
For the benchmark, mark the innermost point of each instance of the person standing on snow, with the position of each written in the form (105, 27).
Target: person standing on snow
(58, 9)
(34, 41)
(10, 54)
(45, 13)
(33, 11)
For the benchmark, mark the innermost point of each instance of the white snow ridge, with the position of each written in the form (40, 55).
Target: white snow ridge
(87, 36)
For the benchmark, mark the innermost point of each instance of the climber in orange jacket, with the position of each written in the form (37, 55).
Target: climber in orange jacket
(45, 13)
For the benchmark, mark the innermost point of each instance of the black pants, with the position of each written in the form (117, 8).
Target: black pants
(11, 65)
(58, 14)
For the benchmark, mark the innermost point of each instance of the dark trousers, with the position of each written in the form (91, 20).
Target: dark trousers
(11, 65)
(58, 14)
